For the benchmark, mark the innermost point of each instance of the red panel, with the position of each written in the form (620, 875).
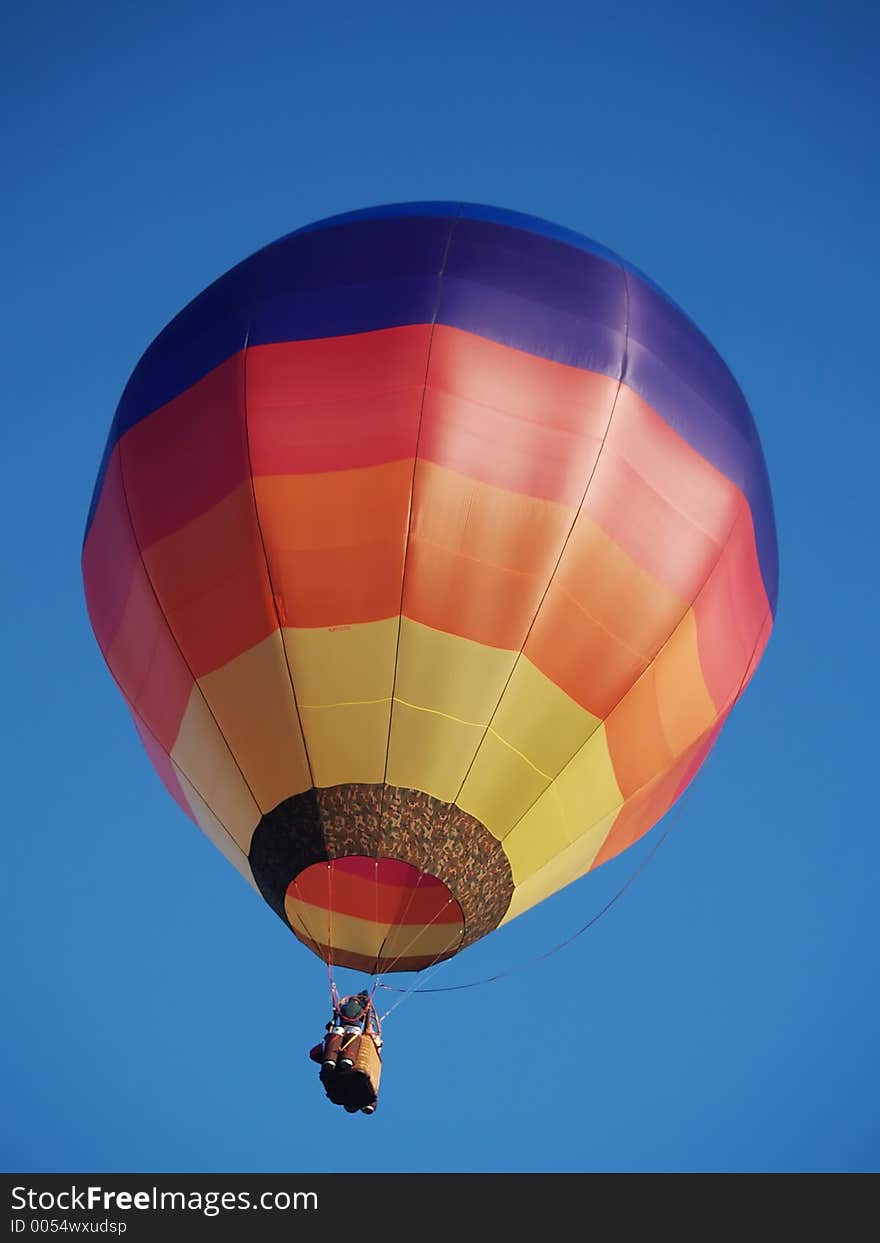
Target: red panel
(110, 558)
(659, 500)
(666, 709)
(391, 872)
(163, 766)
(212, 583)
(731, 611)
(763, 640)
(374, 896)
(187, 455)
(147, 663)
(513, 420)
(337, 403)
(698, 757)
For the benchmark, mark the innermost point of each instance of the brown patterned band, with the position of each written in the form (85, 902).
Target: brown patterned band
(384, 821)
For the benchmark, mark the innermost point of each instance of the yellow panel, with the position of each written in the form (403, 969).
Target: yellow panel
(501, 786)
(584, 793)
(535, 731)
(537, 838)
(449, 674)
(252, 701)
(347, 743)
(447, 689)
(363, 936)
(343, 677)
(540, 720)
(312, 921)
(430, 751)
(685, 706)
(214, 830)
(587, 788)
(341, 664)
(202, 755)
(561, 870)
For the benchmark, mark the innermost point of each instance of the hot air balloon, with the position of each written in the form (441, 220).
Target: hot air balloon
(431, 547)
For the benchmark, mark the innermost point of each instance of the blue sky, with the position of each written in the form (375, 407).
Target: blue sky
(724, 1014)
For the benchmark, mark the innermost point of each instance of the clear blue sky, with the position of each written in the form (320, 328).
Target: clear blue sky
(724, 1015)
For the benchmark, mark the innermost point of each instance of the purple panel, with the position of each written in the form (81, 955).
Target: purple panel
(535, 294)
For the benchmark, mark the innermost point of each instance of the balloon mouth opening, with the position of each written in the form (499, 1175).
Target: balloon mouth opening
(376, 915)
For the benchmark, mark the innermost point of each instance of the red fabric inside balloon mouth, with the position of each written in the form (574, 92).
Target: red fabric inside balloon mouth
(374, 914)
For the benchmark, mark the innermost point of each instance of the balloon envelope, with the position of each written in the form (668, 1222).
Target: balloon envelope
(430, 549)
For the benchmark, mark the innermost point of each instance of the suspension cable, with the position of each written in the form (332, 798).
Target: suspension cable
(532, 962)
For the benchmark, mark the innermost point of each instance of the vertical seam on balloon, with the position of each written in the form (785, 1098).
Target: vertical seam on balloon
(623, 366)
(170, 629)
(409, 516)
(280, 631)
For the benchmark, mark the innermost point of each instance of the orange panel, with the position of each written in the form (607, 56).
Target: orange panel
(646, 806)
(603, 621)
(686, 707)
(636, 738)
(664, 713)
(580, 656)
(336, 403)
(480, 558)
(147, 663)
(614, 589)
(639, 814)
(335, 542)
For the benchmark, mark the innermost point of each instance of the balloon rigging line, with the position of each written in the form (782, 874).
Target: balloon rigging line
(491, 979)
(405, 993)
